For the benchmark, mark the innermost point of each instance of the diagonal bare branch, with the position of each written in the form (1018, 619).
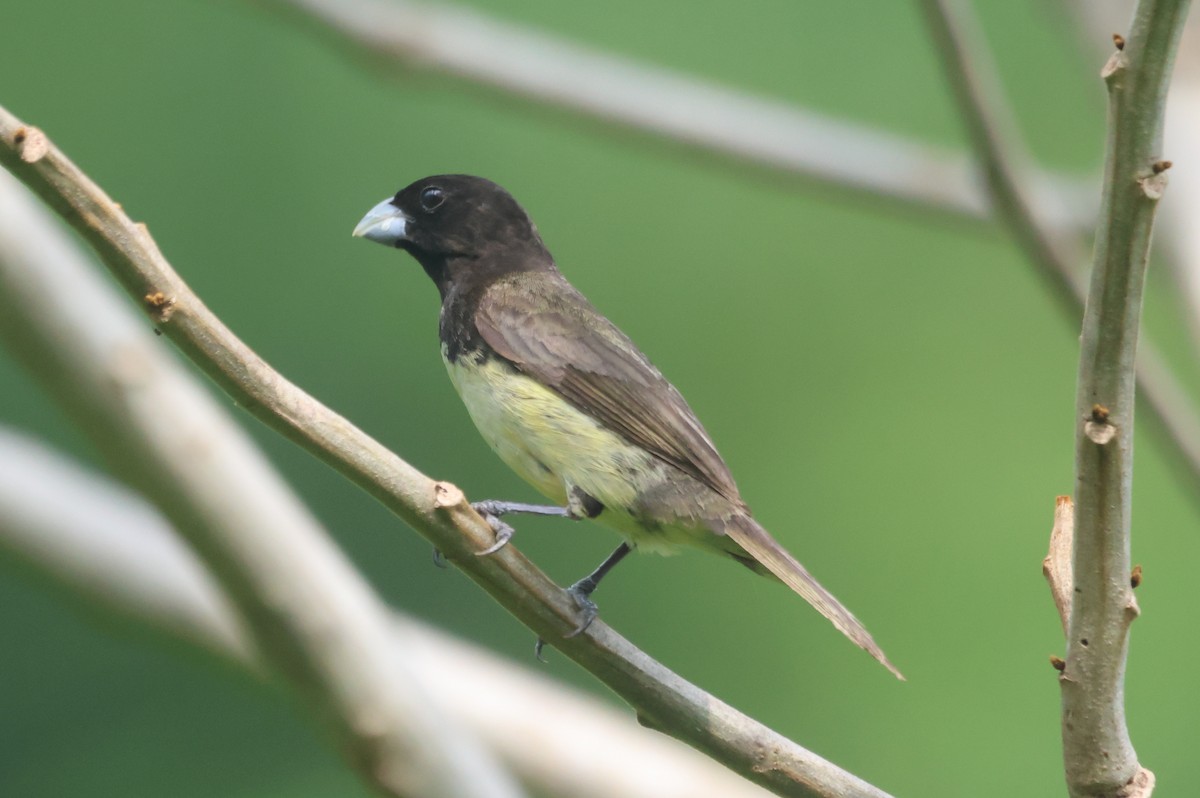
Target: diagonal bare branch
(552, 72)
(437, 510)
(312, 617)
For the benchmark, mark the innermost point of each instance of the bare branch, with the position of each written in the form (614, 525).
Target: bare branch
(112, 552)
(311, 615)
(472, 47)
(1099, 757)
(662, 699)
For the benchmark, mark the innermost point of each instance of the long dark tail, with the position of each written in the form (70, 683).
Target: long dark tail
(758, 543)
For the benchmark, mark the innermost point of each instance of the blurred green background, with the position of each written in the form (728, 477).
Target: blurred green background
(893, 391)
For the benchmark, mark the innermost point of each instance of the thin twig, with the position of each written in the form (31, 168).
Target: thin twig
(711, 119)
(113, 553)
(1098, 754)
(436, 510)
(311, 615)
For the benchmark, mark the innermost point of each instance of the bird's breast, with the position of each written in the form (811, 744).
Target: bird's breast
(546, 440)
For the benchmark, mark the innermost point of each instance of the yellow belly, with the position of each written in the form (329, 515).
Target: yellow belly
(553, 446)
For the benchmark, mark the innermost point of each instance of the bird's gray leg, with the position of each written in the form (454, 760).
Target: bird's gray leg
(496, 508)
(582, 591)
(579, 505)
(492, 509)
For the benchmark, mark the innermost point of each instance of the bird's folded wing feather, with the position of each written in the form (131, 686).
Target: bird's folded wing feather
(552, 333)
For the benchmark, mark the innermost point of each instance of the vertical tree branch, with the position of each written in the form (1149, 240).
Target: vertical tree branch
(1098, 755)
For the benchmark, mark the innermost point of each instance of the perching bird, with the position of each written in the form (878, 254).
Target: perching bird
(567, 400)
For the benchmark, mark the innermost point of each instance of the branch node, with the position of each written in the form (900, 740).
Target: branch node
(1158, 167)
(1058, 663)
(1116, 63)
(446, 494)
(1135, 576)
(1118, 41)
(32, 144)
(1099, 432)
(160, 306)
(1155, 185)
(1140, 786)
(648, 722)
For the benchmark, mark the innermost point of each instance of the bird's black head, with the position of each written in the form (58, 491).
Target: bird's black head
(460, 228)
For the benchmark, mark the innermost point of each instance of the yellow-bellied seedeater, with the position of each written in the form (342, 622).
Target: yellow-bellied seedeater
(567, 400)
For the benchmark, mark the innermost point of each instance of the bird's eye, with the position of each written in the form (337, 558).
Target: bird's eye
(431, 198)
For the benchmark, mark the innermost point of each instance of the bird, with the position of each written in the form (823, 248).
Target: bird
(568, 401)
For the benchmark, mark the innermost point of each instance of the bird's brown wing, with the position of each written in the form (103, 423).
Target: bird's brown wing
(549, 331)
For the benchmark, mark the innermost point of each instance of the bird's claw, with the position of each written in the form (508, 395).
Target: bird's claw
(438, 559)
(503, 531)
(587, 610)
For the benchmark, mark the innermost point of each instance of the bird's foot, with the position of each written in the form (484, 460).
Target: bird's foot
(581, 592)
(504, 533)
(438, 559)
(492, 509)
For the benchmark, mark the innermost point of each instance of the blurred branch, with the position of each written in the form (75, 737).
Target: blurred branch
(1053, 255)
(1177, 221)
(311, 616)
(437, 510)
(1098, 754)
(105, 545)
(966, 64)
(706, 117)
(113, 553)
